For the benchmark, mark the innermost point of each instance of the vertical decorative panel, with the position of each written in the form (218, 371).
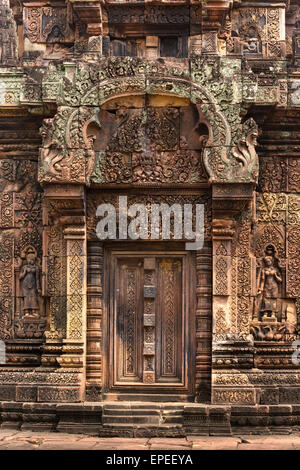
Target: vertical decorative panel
(169, 321)
(149, 319)
(128, 321)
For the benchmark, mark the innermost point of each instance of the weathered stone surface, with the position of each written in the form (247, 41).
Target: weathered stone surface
(52, 441)
(161, 104)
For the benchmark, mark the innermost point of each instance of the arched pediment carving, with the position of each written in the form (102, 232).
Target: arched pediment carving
(229, 154)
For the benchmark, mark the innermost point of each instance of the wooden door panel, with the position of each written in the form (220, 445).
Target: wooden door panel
(128, 320)
(169, 321)
(149, 339)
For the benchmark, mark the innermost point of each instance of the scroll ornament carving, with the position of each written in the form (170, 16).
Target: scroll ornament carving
(269, 235)
(47, 24)
(238, 165)
(272, 207)
(272, 174)
(221, 326)
(67, 153)
(293, 264)
(221, 281)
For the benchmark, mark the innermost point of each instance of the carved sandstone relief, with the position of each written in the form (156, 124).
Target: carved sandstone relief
(47, 24)
(22, 306)
(229, 150)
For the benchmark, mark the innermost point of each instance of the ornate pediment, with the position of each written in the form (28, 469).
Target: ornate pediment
(144, 134)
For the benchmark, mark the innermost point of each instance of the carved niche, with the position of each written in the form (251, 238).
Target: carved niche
(21, 233)
(274, 317)
(257, 31)
(30, 319)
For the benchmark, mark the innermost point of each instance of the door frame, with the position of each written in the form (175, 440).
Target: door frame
(140, 248)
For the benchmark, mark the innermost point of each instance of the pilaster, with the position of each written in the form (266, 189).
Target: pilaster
(232, 349)
(67, 262)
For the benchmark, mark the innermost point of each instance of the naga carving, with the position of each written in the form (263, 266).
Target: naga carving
(245, 152)
(50, 155)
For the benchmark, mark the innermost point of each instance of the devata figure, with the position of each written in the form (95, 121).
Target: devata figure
(268, 288)
(30, 286)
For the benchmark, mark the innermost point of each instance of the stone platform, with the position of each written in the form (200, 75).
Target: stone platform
(142, 419)
(27, 440)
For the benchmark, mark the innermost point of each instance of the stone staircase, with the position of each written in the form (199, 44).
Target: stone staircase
(140, 419)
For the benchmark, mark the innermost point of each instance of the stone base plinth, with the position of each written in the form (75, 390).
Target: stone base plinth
(128, 419)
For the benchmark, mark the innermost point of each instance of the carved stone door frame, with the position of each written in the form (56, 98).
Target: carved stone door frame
(149, 251)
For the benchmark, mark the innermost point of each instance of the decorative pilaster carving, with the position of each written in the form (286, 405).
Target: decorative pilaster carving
(232, 289)
(149, 318)
(222, 234)
(67, 263)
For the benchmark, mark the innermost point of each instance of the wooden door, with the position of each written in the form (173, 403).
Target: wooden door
(148, 315)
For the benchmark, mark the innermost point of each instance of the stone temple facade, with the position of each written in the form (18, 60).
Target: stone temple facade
(164, 102)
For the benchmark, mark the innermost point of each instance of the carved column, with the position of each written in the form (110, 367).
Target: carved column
(222, 234)
(94, 320)
(54, 285)
(203, 324)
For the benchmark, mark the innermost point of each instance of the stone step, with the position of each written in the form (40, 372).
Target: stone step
(134, 414)
(118, 419)
(141, 430)
(133, 406)
(128, 412)
(137, 425)
(153, 397)
(143, 405)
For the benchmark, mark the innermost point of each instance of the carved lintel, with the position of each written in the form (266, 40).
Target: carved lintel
(63, 191)
(91, 15)
(237, 192)
(65, 204)
(231, 198)
(214, 12)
